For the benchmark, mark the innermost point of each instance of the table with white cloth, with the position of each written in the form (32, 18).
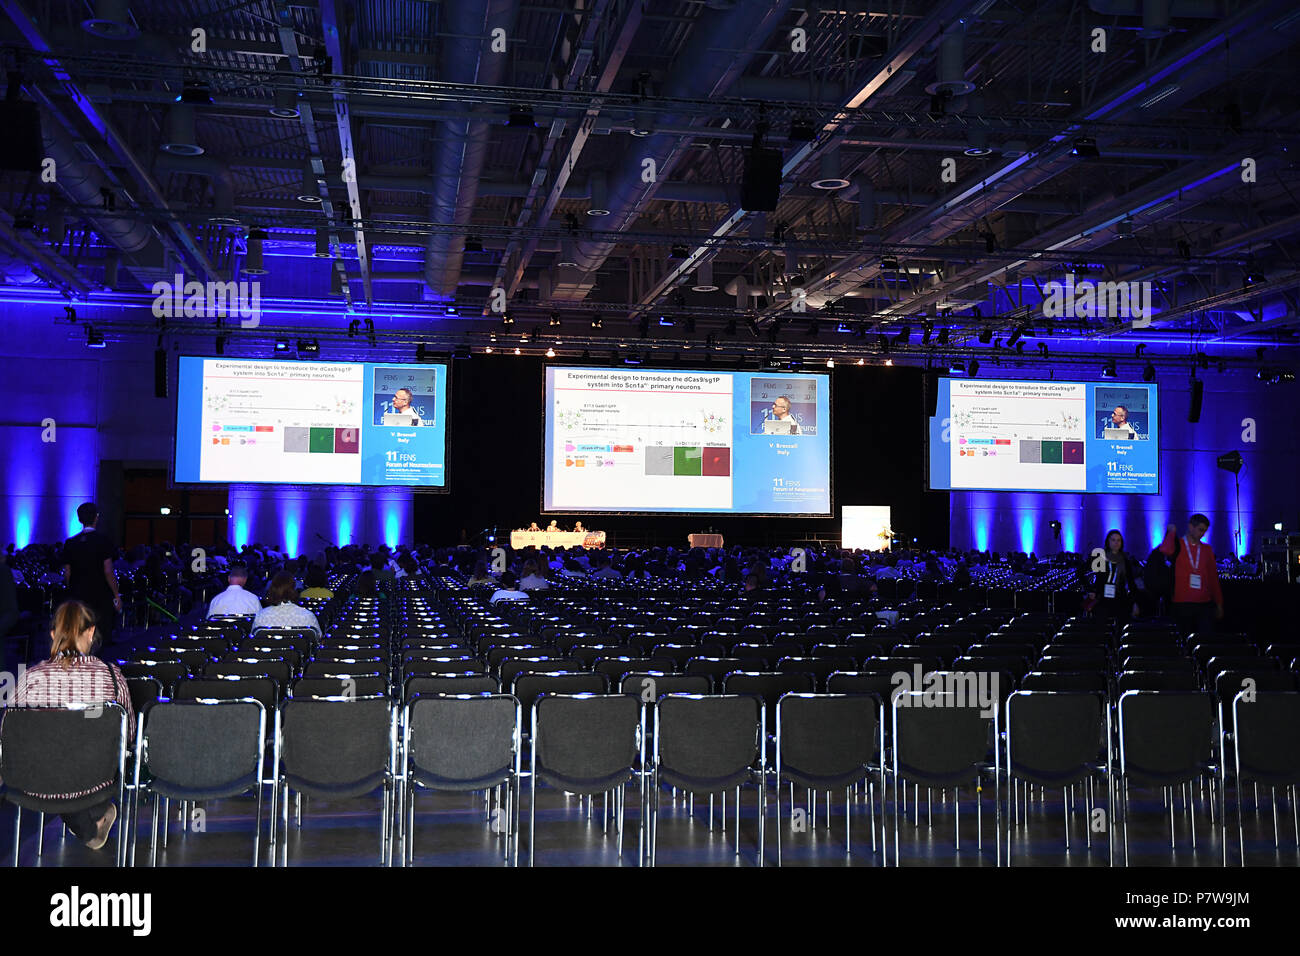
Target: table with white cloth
(557, 539)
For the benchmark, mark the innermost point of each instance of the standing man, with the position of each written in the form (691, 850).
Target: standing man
(1198, 598)
(88, 572)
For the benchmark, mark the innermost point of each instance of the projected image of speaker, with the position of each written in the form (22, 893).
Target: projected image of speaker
(760, 190)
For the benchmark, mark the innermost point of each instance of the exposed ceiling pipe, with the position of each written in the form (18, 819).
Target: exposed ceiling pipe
(458, 166)
(209, 167)
(1153, 12)
(700, 71)
(83, 184)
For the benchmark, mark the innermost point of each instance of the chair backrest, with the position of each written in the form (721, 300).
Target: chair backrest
(337, 745)
(1157, 680)
(943, 745)
(528, 687)
(587, 743)
(278, 671)
(1266, 745)
(827, 740)
(1054, 737)
(465, 683)
(651, 685)
(205, 748)
(769, 685)
(861, 682)
(1165, 736)
(62, 750)
(144, 691)
(708, 744)
(1080, 681)
(462, 743)
(715, 668)
(166, 672)
(362, 686)
(263, 689)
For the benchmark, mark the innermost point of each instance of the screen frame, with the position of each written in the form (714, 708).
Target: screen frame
(445, 488)
(927, 419)
(830, 443)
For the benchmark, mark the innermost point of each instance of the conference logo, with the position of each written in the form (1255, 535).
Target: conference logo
(209, 300)
(946, 689)
(74, 909)
(1088, 300)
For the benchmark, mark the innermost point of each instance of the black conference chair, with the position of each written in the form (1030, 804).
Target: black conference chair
(463, 744)
(707, 745)
(586, 744)
(227, 764)
(63, 750)
(828, 742)
(1266, 750)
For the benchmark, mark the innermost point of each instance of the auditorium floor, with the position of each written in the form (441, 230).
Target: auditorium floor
(453, 830)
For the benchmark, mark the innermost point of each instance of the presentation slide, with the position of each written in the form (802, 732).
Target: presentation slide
(319, 423)
(1033, 435)
(642, 440)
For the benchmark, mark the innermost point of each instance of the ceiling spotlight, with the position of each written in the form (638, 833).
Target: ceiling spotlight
(944, 333)
(802, 130)
(974, 368)
(904, 335)
(666, 319)
(1042, 349)
(985, 336)
(956, 368)
(830, 363)
(94, 338)
(843, 328)
(555, 320)
(1184, 249)
(862, 361)
(889, 363)
(521, 116)
(1108, 370)
(679, 251)
(1124, 229)
(1085, 147)
(308, 347)
(507, 319)
(285, 97)
(568, 257)
(473, 244)
(882, 343)
(487, 350)
(195, 93)
(927, 331)
(1252, 277)
(281, 345)
(518, 352)
(643, 326)
(890, 263)
(596, 321)
(1015, 337)
(550, 353)
(1148, 372)
(990, 241)
(221, 345)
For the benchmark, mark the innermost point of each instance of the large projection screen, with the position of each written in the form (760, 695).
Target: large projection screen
(636, 441)
(1030, 435)
(311, 423)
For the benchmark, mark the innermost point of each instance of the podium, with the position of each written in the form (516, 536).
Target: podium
(704, 540)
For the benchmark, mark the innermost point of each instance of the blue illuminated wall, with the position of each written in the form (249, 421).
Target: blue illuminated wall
(297, 519)
(1190, 481)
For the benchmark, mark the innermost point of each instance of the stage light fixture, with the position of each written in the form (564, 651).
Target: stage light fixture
(1042, 349)
(1252, 277)
(1056, 529)
(889, 363)
(164, 510)
(944, 334)
(555, 320)
(507, 319)
(927, 332)
(308, 347)
(689, 325)
(795, 363)
(643, 326)
(862, 361)
(488, 350)
(550, 353)
(729, 328)
(985, 336)
(1015, 337)
(666, 319)
(195, 93)
(473, 244)
(990, 241)
(1184, 249)
(830, 363)
(1108, 370)
(94, 338)
(1085, 147)
(1148, 372)
(904, 335)
(521, 117)
(752, 324)
(802, 130)
(596, 321)
(679, 250)
(882, 342)
(282, 345)
(890, 263)
(956, 368)
(973, 369)
(1124, 230)
(220, 345)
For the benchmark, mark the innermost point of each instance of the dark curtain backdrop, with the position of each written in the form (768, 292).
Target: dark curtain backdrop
(495, 467)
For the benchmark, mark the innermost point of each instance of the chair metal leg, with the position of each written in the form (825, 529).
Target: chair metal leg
(532, 818)
(738, 821)
(780, 822)
(18, 827)
(40, 834)
(153, 833)
(257, 828)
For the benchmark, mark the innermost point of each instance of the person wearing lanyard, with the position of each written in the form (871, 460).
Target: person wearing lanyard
(1198, 598)
(1114, 589)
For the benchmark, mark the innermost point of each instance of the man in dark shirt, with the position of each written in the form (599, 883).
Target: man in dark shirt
(88, 572)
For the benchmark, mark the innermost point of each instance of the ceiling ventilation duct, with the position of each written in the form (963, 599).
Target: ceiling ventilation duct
(180, 139)
(112, 21)
(952, 64)
(704, 278)
(252, 265)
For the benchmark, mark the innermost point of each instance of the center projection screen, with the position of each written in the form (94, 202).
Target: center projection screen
(317, 423)
(652, 440)
(1030, 435)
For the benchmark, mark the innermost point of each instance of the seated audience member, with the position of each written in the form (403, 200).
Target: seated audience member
(572, 569)
(509, 590)
(408, 567)
(604, 569)
(480, 574)
(317, 584)
(280, 611)
(532, 579)
(753, 585)
(379, 564)
(73, 675)
(234, 599)
(365, 586)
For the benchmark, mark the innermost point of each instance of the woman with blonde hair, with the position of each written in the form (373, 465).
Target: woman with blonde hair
(73, 675)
